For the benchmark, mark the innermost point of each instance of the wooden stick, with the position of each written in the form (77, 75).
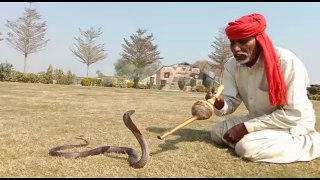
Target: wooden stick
(188, 121)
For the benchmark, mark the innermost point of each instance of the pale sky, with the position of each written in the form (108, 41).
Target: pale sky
(183, 31)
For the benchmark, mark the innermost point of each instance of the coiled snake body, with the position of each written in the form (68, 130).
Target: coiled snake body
(132, 153)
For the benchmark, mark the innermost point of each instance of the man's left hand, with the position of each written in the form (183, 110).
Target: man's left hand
(236, 133)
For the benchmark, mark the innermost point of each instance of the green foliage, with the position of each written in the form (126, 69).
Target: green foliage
(46, 77)
(87, 50)
(100, 74)
(107, 82)
(201, 88)
(142, 54)
(136, 82)
(124, 68)
(119, 82)
(70, 78)
(208, 83)
(181, 83)
(16, 76)
(32, 77)
(143, 86)
(25, 77)
(49, 75)
(61, 78)
(314, 89)
(130, 84)
(315, 97)
(5, 71)
(315, 85)
(193, 82)
(58, 76)
(87, 81)
(26, 33)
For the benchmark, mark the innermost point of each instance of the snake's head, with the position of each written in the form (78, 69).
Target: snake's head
(128, 121)
(129, 113)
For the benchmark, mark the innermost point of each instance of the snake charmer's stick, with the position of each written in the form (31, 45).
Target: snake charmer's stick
(200, 110)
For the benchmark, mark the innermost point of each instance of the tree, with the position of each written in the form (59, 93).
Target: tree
(203, 65)
(27, 34)
(87, 49)
(124, 68)
(221, 53)
(151, 69)
(127, 69)
(0, 35)
(99, 73)
(140, 52)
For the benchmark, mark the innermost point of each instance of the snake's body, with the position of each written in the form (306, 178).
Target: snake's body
(133, 158)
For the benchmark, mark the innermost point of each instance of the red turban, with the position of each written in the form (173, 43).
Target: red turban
(254, 25)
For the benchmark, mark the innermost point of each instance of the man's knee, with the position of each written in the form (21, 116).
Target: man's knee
(259, 147)
(246, 149)
(216, 133)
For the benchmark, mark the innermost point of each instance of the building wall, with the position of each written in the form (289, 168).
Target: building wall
(172, 74)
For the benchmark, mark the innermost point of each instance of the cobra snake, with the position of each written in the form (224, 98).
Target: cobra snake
(132, 153)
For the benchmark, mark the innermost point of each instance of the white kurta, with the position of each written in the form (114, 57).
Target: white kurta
(276, 134)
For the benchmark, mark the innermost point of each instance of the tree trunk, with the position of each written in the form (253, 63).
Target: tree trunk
(136, 82)
(87, 70)
(25, 63)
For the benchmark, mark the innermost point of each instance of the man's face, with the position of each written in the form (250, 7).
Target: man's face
(245, 50)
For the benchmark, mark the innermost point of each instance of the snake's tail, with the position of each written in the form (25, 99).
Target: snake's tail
(55, 151)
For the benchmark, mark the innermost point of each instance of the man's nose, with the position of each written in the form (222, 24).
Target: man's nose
(235, 47)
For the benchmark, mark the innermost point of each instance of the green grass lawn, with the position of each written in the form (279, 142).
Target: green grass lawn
(37, 117)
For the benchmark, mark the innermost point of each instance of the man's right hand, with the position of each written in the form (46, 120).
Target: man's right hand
(219, 101)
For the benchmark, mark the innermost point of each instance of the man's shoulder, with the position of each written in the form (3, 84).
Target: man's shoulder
(286, 56)
(284, 53)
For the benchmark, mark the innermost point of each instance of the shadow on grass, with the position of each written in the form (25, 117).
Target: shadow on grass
(185, 135)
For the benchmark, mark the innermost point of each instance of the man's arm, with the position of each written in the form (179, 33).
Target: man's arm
(299, 107)
(232, 99)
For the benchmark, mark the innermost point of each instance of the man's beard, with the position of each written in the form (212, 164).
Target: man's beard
(244, 61)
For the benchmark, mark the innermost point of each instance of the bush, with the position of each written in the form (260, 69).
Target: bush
(70, 78)
(107, 82)
(49, 75)
(32, 78)
(193, 82)
(25, 77)
(315, 97)
(87, 81)
(181, 83)
(201, 88)
(58, 75)
(313, 90)
(5, 71)
(142, 86)
(208, 83)
(119, 82)
(17, 76)
(130, 84)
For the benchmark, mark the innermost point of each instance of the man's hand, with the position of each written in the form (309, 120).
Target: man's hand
(219, 102)
(236, 133)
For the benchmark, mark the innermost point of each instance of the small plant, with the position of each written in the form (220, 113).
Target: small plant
(181, 83)
(130, 84)
(201, 88)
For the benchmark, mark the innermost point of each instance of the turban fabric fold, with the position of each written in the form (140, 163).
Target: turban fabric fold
(254, 25)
